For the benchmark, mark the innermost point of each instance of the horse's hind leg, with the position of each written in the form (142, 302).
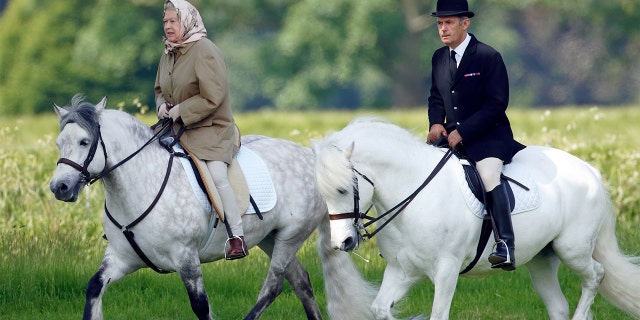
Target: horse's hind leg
(191, 275)
(576, 253)
(272, 284)
(284, 264)
(590, 273)
(299, 280)
(543, 269)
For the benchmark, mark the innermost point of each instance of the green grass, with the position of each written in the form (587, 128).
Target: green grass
(50, 249)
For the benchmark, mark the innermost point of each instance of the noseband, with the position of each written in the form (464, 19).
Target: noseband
(84, 168)
(355, 214)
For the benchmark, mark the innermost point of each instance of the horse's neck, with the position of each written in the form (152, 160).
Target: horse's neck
(399, 173)
(140, 176)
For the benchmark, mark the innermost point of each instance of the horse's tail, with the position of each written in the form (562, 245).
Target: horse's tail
(620, 284)
(349, 295)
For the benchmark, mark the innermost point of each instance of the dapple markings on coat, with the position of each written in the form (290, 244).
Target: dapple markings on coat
(436, 236)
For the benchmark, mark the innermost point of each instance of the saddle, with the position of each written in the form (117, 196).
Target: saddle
(476, 186)
(473, 177)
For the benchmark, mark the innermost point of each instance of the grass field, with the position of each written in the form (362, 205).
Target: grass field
(50, 249)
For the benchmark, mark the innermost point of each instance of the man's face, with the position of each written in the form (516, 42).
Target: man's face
(452, 30)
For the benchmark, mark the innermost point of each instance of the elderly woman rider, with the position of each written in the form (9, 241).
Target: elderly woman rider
(191, 87)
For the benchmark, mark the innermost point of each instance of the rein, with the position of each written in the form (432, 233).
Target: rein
(396, 210)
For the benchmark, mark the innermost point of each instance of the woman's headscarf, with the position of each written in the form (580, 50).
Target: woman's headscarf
(191, 25)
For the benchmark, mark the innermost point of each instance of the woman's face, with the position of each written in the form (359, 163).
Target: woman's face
(171, 24)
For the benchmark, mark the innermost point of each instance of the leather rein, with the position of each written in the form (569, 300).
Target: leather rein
(394, 212)
(89, 179)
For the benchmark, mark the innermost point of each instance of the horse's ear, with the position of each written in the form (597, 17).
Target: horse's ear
(60, 112)
(102, 104)
(349, 150)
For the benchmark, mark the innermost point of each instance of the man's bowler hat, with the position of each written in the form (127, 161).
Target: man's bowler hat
(445, 8)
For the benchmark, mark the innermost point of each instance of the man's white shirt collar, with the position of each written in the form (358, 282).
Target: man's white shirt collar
(461, 48)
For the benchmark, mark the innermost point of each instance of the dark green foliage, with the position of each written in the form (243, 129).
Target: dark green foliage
(315, 54)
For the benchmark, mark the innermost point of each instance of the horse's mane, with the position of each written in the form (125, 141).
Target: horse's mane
(371, 129)
(87, 117)
(334, 169)
(81, 113)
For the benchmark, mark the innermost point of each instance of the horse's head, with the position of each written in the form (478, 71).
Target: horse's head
(345, 191)
(78, 143)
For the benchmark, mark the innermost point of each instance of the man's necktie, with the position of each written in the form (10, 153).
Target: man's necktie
(453, 66)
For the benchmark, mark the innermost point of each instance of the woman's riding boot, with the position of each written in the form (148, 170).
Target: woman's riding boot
(500, 212)
(233, 223)
(238, 248)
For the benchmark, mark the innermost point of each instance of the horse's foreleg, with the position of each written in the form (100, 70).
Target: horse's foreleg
(93, 302)
(395, 284)
(543, 269)
(444, 282)
(299, 280)
(110, 271)
(191, 275)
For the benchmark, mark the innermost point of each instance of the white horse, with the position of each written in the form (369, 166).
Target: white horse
(436, 235)
(93, 139)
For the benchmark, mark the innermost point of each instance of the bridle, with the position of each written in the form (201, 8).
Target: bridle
(355, 214)
(84, 168)
(394, 212)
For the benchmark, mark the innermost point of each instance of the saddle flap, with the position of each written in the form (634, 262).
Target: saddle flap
(209, 185)
(239, 185)
(475, 184)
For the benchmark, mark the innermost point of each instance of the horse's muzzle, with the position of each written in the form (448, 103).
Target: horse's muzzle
(349, 244)
(66, 191)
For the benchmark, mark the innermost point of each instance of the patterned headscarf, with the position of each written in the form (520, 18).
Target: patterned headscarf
(191, 24)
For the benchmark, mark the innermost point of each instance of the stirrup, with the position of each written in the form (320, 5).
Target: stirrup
(244, 249)
(507, 264)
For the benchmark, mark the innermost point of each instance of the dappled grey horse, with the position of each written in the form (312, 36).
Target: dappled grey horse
(171, 225)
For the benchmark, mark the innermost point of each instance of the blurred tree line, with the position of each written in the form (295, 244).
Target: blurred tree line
(309, 54)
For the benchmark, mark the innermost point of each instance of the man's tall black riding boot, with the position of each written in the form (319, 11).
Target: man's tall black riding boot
(500, 211)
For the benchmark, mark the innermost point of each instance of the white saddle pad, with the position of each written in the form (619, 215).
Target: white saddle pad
(525, 200)
(256, 173)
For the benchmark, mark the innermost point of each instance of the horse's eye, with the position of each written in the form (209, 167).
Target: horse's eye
(84, 142)
(342, 191)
